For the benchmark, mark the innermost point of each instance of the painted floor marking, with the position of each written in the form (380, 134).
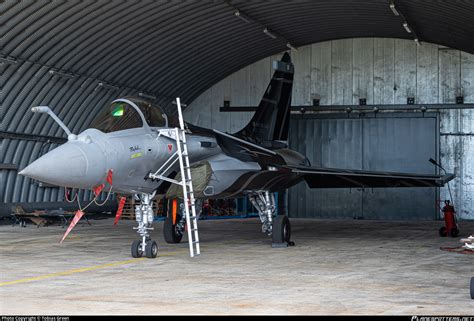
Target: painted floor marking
(86, 269)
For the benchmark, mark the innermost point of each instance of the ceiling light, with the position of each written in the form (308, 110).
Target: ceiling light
(241, 16)
(107, 86)
(407, 28)
(289, 46)
(147, 96)
(8, 60)
(394, 9)
(268, 33)
(61, 73)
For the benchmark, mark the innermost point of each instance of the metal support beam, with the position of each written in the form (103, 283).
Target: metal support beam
(32, 137)
(456, 134)
(358, 108)
(69, 74)
(408, 27)
(270, 33)
(13, 167)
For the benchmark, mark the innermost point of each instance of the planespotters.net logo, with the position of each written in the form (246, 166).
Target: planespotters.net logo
(415, 318)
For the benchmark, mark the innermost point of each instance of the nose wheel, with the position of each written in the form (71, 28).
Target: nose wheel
(137, 249)
(151, 249)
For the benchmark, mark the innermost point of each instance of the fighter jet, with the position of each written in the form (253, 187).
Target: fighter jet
(131, 139)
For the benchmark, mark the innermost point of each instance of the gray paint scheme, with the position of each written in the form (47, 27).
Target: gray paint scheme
(225, 170)
(132, 154)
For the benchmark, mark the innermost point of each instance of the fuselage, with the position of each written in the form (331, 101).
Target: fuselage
(132, 153)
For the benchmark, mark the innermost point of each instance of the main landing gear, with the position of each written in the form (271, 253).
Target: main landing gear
(280, 228)
(175, 222)
(144, 217)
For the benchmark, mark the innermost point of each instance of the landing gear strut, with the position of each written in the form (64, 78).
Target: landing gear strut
(280, 228)
(173, 228)
(175, 222)
(144, 217)
(173, 233)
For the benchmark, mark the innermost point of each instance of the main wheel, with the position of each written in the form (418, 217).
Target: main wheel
(443, 232)
(281, 230)
(151, 250)
(472, 288)
(454, 232)
(171, 232)
(137, 249)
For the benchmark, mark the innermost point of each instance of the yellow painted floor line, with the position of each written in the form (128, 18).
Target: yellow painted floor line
(86, 269)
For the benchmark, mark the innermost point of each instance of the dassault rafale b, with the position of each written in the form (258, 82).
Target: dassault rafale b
(147, 154)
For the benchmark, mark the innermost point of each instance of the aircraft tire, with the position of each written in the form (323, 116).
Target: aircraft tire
(454, 232)
(472, 288)
(137, 249)
(169, 232)
(151, 250)
(443, 232)
(281, 230)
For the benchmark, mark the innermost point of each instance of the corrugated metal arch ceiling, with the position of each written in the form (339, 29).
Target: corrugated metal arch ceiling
(170, 48)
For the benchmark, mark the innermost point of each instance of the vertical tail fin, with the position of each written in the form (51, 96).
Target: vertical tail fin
(271, 120)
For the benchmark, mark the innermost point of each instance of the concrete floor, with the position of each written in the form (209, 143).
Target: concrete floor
(337, 267)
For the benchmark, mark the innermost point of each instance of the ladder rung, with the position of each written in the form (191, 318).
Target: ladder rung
(187, 185)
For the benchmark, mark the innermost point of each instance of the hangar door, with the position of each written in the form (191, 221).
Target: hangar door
(388, 142)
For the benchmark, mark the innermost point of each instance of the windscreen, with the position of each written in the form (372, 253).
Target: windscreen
(153, 114)
(118, 116)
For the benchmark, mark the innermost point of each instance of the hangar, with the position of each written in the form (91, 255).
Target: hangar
(378, 85)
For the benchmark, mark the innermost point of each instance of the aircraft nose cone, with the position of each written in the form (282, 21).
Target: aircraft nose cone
(68, 165)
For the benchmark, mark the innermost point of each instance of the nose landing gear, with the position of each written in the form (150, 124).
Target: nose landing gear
(144, 217)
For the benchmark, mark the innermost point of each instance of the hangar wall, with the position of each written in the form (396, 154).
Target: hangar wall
(391, 142)
(384, 71)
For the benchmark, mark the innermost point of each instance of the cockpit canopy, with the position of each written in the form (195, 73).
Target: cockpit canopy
(121, 115)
